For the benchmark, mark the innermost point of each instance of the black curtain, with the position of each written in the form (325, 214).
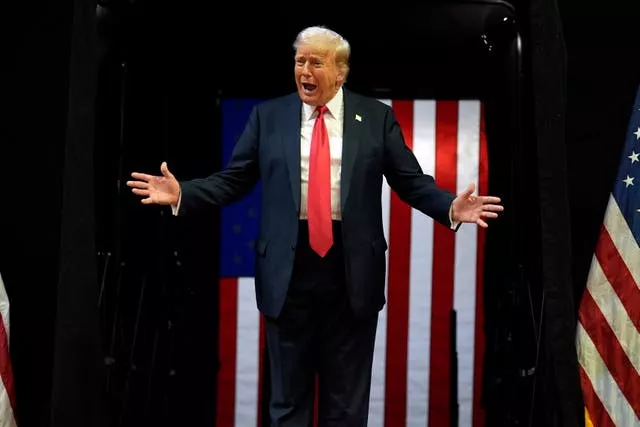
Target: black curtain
(77, 375)
(48, 251)
(159, 308)
(559, 399)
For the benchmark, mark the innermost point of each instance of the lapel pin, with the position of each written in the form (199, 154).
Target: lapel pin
(358, 118)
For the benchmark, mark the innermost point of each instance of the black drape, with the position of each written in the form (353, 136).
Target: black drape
(159, 308)
(559, 381)
(77, 369)
(47, 257)
(35, 51)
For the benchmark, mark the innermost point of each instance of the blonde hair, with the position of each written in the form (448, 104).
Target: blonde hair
(323, 37)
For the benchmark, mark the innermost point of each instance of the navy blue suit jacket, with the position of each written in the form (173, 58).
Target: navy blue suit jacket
(269, 150)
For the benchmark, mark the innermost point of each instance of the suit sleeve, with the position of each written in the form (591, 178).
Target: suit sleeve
(230, 184)
(406, 178)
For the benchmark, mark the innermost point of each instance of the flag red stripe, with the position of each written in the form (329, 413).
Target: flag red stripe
(398, 289)
(612, 353)
(227, 336)
(619, 276)
(478, 360)
(6, 370)
(597, 412)
(443, 268)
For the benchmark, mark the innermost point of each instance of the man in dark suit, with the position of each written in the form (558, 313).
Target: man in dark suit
(321, 155)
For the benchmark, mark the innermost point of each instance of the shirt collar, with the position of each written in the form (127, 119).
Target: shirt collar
(334, 106)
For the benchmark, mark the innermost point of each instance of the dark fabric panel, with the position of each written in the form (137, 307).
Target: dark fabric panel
(562, 401)
(35, 51)
(47, 259)
(77, 377)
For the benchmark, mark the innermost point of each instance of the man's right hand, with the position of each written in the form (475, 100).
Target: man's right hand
(159, 190)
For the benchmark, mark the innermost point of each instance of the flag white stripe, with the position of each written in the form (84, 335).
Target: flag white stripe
(420, 277)
(603, 383)
(615, 313)
(248, 355)
(6, 412)
(622, 238)
(4, 311)
(377, 395)
(464, 296)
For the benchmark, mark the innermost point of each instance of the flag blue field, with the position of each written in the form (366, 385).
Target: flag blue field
(240, 220)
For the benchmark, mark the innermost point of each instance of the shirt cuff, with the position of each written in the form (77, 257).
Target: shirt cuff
(455, 224)
(176, 208)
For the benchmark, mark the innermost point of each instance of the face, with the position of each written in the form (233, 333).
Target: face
(318, 77)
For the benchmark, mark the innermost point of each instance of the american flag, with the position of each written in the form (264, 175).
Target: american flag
(608, 337)
(7, 390)
(431, 271)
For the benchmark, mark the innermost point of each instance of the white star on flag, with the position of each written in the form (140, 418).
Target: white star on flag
(634, 157)
(637, 133)
(628, 180)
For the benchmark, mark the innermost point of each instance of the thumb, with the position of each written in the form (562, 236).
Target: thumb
(165, 170)
(469, 190)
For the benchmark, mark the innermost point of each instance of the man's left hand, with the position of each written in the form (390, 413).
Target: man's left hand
(469, 208)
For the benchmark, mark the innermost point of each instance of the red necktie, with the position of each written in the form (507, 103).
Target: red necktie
(319, 190)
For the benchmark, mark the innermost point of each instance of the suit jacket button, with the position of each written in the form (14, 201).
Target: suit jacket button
(293, 247)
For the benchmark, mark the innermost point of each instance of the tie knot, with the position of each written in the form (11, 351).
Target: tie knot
(321, 110)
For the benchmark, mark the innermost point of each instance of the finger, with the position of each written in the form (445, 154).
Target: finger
(494, 208)
(165, 170)
(142, 176)
(137, 184)
(140, 192)
(490, 199)
(481, 223)
(489, 214)
(147, 201)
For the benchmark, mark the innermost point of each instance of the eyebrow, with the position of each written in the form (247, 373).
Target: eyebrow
(312, 57)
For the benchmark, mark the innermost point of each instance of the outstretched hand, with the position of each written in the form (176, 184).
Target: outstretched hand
(159, 190)
(469, 208)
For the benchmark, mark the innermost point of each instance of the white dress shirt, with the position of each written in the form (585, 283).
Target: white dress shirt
(333, 119)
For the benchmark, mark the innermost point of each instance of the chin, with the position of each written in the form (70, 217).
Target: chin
(308, 99)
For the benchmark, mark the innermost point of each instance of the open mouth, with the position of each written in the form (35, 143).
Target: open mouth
(309, 88)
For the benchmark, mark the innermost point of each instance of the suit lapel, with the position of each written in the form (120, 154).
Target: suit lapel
(351, 136)
(291, 143)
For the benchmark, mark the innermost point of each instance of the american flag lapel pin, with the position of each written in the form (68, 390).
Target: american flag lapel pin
(358, 118)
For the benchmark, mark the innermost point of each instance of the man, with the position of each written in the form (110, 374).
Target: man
(321, 155)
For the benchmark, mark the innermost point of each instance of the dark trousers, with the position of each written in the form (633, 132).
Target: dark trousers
(317, 333)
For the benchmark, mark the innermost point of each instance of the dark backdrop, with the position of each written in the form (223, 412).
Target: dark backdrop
(114, 314)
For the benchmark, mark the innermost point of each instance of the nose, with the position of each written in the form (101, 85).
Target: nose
(305, 69)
